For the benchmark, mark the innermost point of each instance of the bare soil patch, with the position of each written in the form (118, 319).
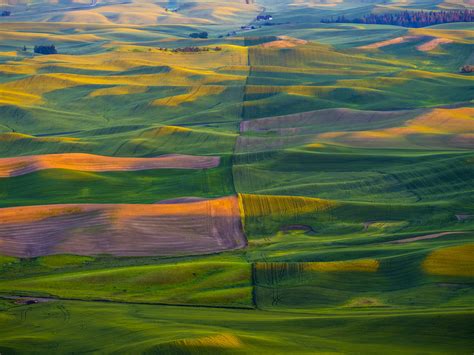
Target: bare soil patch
(424, 237)
(390, 42)
(97, 163)
(124, 230)
(285, 42)
(433, 44)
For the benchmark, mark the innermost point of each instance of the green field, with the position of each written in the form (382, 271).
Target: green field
(347, 149)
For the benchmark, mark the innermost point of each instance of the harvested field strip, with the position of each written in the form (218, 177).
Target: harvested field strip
(390, 42)
(329, 118)
(433, 44)
(127, 230)
(88, 162)
(451, 261)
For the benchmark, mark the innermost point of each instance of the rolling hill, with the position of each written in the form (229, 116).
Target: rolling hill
(188, 177)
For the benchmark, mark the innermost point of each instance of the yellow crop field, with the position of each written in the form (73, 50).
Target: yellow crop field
(360, 265)
(452, 261)
(264, 205)
(223, 341)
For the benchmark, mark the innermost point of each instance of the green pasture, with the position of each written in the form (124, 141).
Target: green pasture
(55, 186)
(359, 246)
(83, 327)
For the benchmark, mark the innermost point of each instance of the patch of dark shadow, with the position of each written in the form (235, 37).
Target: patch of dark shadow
(297, 227)
(55, 134)
(253, 41)
(12, 114)
(112, 130)
(453, 285)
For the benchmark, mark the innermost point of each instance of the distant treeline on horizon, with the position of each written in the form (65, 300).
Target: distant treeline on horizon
(409, 18)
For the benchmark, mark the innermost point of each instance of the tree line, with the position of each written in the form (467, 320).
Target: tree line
(199, 35)
(409, 18)
(190, 49)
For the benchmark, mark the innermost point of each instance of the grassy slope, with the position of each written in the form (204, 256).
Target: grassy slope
(120, 87)
(202, 283)
(83, 327)
(56, 186)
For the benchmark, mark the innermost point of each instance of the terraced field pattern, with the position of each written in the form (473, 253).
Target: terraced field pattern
(192, 177)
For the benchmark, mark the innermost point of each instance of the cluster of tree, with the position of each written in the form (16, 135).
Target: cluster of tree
(264, 17)
(199, 35)
(467, 69)
(5, 13)
(190, 49)
(410, 18)
(51, 49)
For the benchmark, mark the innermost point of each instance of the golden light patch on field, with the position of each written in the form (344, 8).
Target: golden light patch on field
(200, 227)
(264, 205)
(315, 146)
(452, 261)
(39, 84)
(14, 136)
(165, 131)
(225, 341)
(460, 36)
(117, 60)
(8, 54)
(18, 98)
(119, 90)
(17, 68)
(455, 123)
(35, 36)
(96, 163)
(458, 120)
(192, 95)
(361, 265)
(33, 87)
(365, 302)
